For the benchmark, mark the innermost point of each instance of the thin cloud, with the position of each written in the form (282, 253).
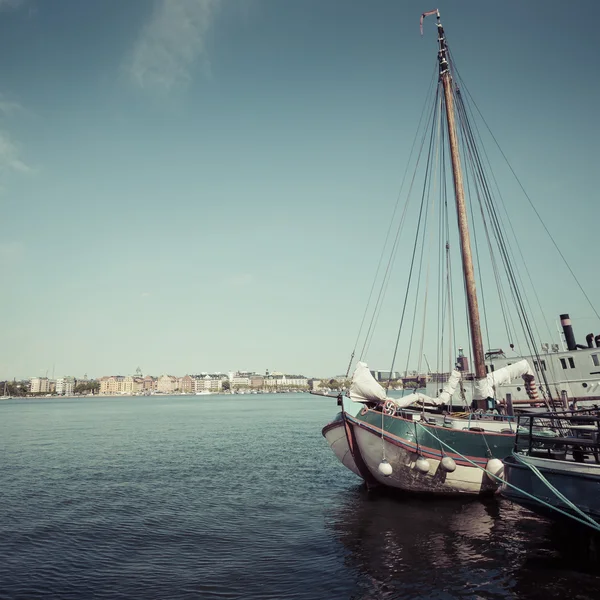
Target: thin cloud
(7, 107)
(173, 40)
(10, 4)
(10, 159)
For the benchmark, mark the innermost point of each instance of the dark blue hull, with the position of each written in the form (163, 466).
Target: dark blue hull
(578, 482)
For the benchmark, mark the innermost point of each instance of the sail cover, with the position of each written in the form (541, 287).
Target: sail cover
(484, 388)
(415, 397)
(449, 387)
(364, 387)
(444, 397)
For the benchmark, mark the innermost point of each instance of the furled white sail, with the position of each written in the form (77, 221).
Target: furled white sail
(449, 387)
(415, 397)
(507, 374)
(485, 388)
(444, 397)
(364, 387)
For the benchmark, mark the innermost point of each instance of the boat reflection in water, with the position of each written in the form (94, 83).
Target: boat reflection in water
(409, 547)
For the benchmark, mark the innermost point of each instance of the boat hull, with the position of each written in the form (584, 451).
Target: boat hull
(371, 436)
(335, 434)
(578, 482)
(405, 475)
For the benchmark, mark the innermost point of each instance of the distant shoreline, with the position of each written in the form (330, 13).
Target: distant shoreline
(159, 395)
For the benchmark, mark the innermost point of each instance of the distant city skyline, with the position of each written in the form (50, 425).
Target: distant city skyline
(176, 373)
(208, 183)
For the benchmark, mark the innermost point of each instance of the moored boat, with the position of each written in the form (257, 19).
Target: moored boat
(451, 441)
(557, 476)
(391, 444)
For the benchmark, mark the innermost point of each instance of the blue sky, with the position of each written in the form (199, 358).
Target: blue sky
(200, 185)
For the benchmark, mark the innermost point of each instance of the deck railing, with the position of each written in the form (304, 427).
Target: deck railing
(565, 435)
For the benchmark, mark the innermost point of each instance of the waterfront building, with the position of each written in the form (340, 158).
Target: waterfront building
(39, 385)
(149, 384)
(211, 383)
(257, 381)
(199, 384)
(166, 384)
(65, 386)
(186, 384)
(240, 381)
(282, 381)
(117, 385)
(296, 381)
(383, 375)
(131, 385)
(111, 386)
(315, 384)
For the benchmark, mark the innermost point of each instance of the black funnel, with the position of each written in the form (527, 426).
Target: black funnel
(565, 321)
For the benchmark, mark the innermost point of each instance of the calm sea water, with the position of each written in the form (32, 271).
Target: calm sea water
(240, 497)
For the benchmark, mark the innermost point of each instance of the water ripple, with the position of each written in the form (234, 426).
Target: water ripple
(186, 498)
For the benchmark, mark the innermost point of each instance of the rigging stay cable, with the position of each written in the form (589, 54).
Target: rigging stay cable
(447, 277)
(532, 204)
(471, 169)
(497, 229)
(478, 262)
(509, 327)
(513, 284)
(479, 177)
(428, 194)
(466, 107)
(392, 256)
(390, 225)
(412, 261)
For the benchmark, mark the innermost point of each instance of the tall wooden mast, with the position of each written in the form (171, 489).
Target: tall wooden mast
(463, 222)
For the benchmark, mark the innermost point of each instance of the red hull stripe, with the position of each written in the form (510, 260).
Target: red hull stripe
(331, 426)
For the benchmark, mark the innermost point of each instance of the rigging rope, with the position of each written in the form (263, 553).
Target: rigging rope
(371, 325)
(529, 199)
(477, 186)
(556, 492)
(412, 261)
(478, 169)
(426, 194)
(586, 521)
(503, 205)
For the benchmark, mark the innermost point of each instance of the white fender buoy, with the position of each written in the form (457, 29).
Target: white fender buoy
(448, 464)
(385, 468)
(494, 467)
(422, 465)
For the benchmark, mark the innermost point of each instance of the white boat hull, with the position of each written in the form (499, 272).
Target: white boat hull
(335, 434)
(368, 450)
(405, 476)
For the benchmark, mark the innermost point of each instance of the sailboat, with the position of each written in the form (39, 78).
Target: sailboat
(441, 443)
(5, 396)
